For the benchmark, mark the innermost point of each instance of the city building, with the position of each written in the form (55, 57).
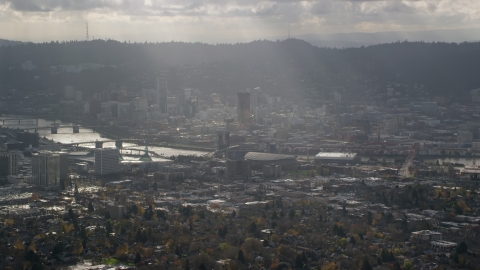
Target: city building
(69, 93)
(258, 160)
(464, 137)
(46, 169)
(78, 95)
(28, 139)
(239, 168)
(4, 164)
(272, 171)
(342, 158)
(123, 110)
(243, 107)
(429, 107)
(426, 236)
(107, 161)
(63, 165)
(115, 211)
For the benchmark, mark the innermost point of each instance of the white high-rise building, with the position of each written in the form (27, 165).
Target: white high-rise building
(123, 110)
(337, 97)
(69, 92)
(46, 169)
(107, 161)
(78, 95)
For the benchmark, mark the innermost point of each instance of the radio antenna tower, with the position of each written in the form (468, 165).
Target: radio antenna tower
(288, 31)
(87, 31)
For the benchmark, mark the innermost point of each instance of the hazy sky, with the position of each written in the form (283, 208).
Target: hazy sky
(224, 20)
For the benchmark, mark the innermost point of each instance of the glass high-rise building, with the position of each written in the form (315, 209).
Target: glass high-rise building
(46, 169)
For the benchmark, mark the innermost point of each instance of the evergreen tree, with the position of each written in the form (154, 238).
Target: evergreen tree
(462, 248)
(291, 214)
(274, 214)
(298, 261)
(187, 265)
(234, 214)
(240, 256)
(202, 267)
(352, 240)
(253, 227)
(107, 215)
(90, 207)
(138, 258)
(365, 264)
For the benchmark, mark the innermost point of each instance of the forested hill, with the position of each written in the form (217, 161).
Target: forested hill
(442, 67)
(5, 42)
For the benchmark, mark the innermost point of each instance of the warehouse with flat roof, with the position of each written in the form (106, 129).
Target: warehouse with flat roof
(258, 160)
(335, 157)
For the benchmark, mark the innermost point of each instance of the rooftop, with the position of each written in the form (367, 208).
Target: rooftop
(336, 155)
(267, 156)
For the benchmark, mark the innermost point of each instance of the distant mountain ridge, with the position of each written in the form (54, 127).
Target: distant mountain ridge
(358, 39)
(445, 68)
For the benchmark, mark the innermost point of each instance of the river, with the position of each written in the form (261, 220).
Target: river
(66, 135)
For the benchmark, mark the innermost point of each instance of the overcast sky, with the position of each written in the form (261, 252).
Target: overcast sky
(225, 20)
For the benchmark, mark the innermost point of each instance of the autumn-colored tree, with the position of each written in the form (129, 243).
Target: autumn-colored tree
(32, 246)
(121, 249)
(329, 266)
(78, 247)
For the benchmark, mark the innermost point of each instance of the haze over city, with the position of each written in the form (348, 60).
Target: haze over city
(276, 134)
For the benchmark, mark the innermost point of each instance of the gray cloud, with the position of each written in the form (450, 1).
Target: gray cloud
(268, 17)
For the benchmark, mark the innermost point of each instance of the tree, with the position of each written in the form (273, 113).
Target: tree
(78, 247)
(187, 265)
(134, 209)
(462, 248)
(274, 214)
(253, 227)
(202, 267)
(107, 215)
(298, 261)
(456, 259)
(240, 256)
(90, 207)
(329, 266)
(352, 240)
(343, 242)
(291, 214)
(234, 214)
(407, 264)
(369, 218)
(365, 264)
(57, 249)
(138, 258)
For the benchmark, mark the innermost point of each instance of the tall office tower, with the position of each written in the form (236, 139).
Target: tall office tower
(63, 165)
(162, 89)
(107, 161)
(46, 169)
(9, 163)
(69, 93)
(4, 170)
(13, 162)
(243, 107)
